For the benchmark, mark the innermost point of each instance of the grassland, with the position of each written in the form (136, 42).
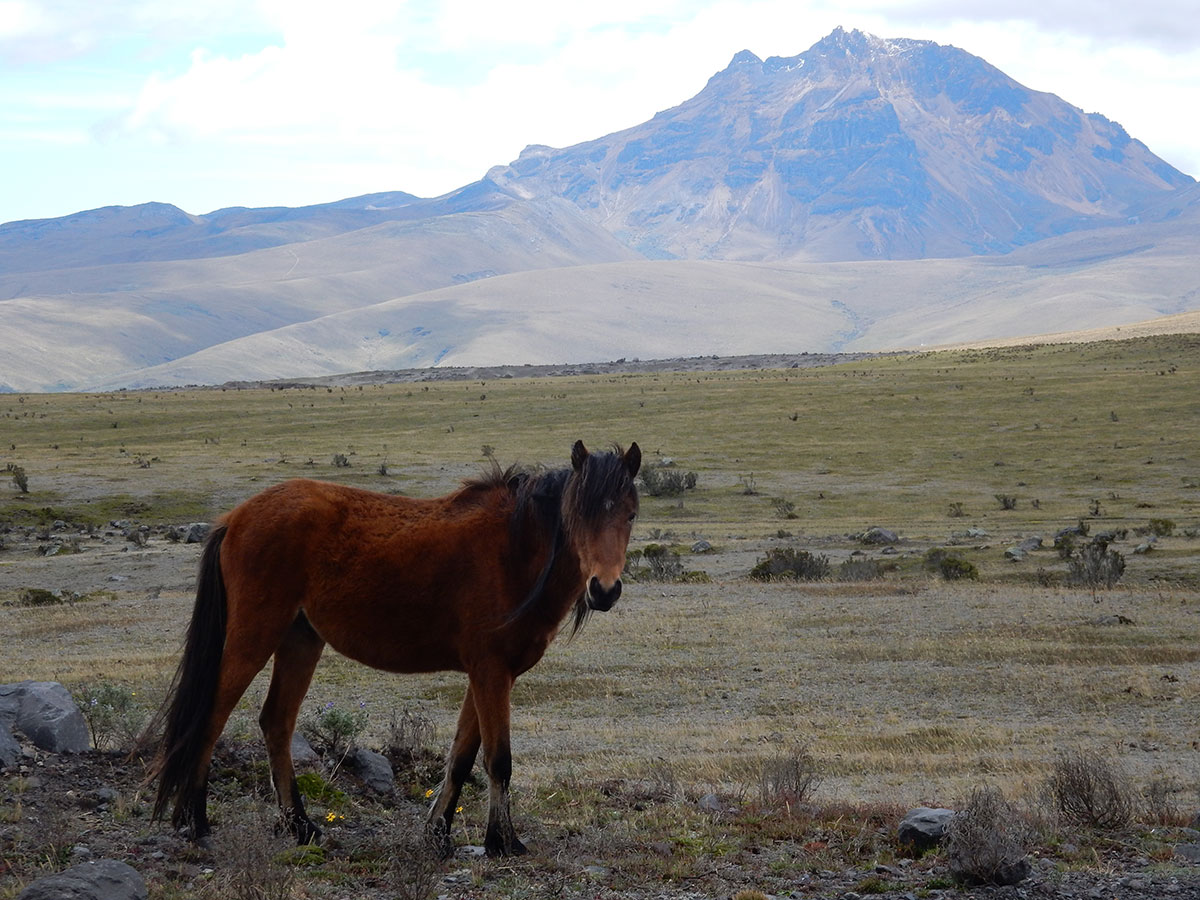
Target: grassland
(904, 690)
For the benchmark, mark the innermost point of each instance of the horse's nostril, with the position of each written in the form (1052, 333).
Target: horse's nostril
(600, 597)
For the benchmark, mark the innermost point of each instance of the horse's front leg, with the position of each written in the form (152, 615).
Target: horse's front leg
(493, 692)
(459, 763)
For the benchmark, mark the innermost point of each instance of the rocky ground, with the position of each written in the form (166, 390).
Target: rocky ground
(59, 810)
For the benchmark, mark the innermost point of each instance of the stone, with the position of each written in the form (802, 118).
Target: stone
(923, 828)
(1189, 853)
(1023, 548)
(104, 879)
(877, 535)
(10, 750)
(373, 768)
(702, 547)
(302, 752)
(196, 532)
(710, 803)
(45, 712)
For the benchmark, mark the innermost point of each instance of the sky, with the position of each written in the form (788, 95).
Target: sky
(221, 103)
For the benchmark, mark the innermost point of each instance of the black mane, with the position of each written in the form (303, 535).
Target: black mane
(544, 497)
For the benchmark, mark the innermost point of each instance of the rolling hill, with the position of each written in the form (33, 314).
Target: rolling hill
(866, 194)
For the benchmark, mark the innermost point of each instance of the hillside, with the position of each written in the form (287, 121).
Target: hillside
(865, 195)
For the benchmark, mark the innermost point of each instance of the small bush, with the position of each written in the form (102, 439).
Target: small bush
(784, 508)
(19, 479)
(986, 841)
(860, 570)
(666, 481)
(1006, 501)
(1161, 527)
(662, 563)
(1087, 789)
(949, 565)
(789, 777)
(787, 562)
(113, 716)
(1095, 566)
(410, 732)
(340, 461)
(334, 730)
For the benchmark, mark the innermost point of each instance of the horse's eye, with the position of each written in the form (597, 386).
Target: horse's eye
(632, 516)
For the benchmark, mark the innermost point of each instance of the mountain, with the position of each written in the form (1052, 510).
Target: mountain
(858, 148)
(865, 194)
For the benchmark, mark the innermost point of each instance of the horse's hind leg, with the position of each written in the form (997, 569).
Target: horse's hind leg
(295, 660)
(459, 763)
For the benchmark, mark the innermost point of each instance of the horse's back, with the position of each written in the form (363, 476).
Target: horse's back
(383, 578)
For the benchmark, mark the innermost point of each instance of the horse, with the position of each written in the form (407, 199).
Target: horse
(478, 581)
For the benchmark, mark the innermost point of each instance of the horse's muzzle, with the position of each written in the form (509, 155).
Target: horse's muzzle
(601, 598)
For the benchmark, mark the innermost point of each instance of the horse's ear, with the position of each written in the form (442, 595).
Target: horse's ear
(578, 454)
(633, 459)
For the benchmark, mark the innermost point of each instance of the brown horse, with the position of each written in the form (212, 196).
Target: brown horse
(477, 581)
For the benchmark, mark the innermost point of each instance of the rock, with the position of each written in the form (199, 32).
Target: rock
(196, 532)
(877, 535)
(923, 828)
(1022, 549)
(1145, 547)
(10, 750)
(710, 803)
(105, 879)
(373, 768)
(1189, 853)
(45, 712)
(302, 752)
(702, 547)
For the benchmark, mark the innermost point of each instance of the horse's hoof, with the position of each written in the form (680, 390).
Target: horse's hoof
(307, 833)
(496, 848)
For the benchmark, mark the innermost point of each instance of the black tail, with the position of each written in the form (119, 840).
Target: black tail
(189, 704)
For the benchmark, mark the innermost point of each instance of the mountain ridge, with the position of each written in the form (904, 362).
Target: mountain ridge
(865, 194)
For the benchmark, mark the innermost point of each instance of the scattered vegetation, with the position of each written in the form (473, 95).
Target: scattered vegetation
(114, 717)
(1096, 566)
(333, 730)
(790, 563)
(1091, 790)
(988, 840)
(664, 480)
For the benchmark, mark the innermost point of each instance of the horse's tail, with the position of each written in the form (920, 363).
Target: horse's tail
(185, 715)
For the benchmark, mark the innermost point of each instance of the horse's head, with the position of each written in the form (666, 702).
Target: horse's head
(600, 502)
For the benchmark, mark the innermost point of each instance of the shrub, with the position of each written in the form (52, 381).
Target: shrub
(789, 777)
(950, 566)
(334, 730)
(410, 732)
(112, 714)
(784, 508)
(1161, 527)
(1096, 566)
(986, 841)
(860, 570)
(1006, 501)
(666, 481)
(19, 479)
(1088, 789)
(340, 461)
(787, 562)
(955, 568)
(662, 563)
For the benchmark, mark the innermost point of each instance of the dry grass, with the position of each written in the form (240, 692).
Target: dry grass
(903, 691)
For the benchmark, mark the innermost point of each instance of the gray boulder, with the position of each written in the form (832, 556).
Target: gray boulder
(923, 828)
(303, 755)
(104, 879)
(373, 768)
(44, 712)
(1019, 551)
(877, 535)
(10, 750)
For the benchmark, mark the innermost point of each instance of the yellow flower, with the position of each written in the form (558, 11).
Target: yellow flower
(458, 809)
(429, 793)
